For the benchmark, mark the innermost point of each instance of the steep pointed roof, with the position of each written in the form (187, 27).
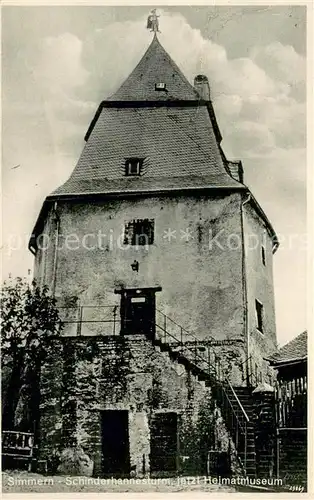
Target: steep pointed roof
(174, 131)
(156, 66)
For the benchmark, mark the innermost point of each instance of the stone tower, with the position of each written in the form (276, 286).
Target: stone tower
(154, 234)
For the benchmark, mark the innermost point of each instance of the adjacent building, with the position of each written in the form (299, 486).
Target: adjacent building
(290, 362)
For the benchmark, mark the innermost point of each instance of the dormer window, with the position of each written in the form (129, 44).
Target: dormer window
(160, 86)
(133, 166)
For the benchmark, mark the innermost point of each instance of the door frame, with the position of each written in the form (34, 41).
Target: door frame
(176, 456)
(128, 293)
(127, 463)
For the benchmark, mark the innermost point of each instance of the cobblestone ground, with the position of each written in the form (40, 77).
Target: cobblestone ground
(23, 482)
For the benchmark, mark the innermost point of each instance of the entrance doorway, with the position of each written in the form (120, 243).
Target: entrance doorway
(115, 443)
(164, 445)
(138, 311)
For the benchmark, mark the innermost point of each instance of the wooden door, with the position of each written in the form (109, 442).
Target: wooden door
(138, 312)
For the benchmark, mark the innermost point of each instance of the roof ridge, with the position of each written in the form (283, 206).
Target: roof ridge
(134, 86)
(295, 339)
(134, 69)
(180, 73)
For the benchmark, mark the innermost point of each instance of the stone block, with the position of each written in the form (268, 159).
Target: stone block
(75, 462)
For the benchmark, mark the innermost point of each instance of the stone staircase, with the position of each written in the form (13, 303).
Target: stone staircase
(185, 348)
(244, 395)
(235, 403)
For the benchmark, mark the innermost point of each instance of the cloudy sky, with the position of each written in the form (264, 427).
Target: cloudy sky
(58, 63)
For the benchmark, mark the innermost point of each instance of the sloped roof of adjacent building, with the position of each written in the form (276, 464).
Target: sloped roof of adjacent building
(295, 350)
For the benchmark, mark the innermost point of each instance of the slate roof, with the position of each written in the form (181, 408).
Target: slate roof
(174, 142)
(175, 132)
(144, 185)
(156, 66)
(295, 350)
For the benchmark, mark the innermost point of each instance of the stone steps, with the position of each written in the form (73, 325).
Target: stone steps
(244, 396)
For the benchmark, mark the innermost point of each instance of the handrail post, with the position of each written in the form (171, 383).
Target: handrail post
(277, 453)
(250, 372)
(245, 445)
(247, 369)
(114, 319)
(79, 325)
(165, 327)
(181, 340)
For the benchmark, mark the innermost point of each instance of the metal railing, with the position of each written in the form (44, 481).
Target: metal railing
(185, 344)
(253, 374)
(90, 320)
(171, 327)
(182, 344)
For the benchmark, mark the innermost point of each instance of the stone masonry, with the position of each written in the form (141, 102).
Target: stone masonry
(152, 167)
(126, 373)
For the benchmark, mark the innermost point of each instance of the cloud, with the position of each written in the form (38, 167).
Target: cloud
(283, 115)
(59, 66)
(281, 62)
(74, 75)
(57, 85)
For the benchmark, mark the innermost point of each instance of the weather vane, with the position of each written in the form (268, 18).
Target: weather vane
(152, 22)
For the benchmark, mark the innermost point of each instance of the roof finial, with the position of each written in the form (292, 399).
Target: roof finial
(152, 22)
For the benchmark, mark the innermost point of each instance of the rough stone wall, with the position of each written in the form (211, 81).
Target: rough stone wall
(126, 373)
(201, 278)
(292, 460)
(232, 361)
(259, 286)
(51, 402)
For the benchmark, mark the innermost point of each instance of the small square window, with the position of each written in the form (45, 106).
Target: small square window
(160, 86)
(133, 166)
(263, 255)
(139, 232)
(259, 315)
